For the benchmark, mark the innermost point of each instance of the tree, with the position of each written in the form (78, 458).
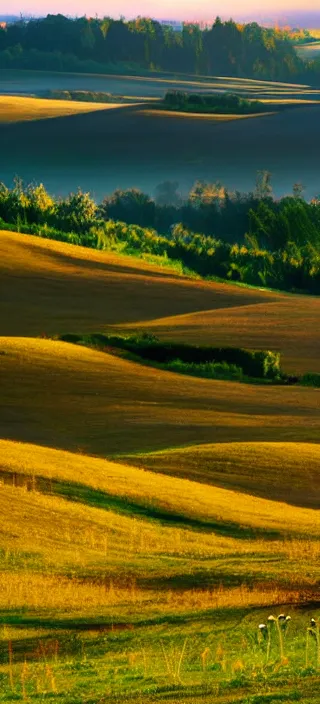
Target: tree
(263, 188)
(77, 213)
(167, 193)
(130, 206)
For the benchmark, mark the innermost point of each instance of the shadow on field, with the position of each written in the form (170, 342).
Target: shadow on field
(120, 268)
(99, 499)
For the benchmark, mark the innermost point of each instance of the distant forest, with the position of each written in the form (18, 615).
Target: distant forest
(97, 45)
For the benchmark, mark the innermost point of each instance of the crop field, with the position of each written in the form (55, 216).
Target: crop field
(150, 521)
(145, 148)
(22, 109)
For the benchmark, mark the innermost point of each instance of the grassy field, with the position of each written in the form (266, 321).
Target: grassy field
(158, 579)
(22, 109)
(53, 288)
(149, 522)
(145, 148)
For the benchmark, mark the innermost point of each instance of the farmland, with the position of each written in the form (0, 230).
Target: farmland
(150, 521)
(23, 109)
(145, 147)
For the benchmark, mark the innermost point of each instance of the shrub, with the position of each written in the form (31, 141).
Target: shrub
(210, 361)
(311, 379)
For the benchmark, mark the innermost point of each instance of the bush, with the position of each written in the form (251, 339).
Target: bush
(210, 370)
(211, 361)
(311, 379)
(228, 103)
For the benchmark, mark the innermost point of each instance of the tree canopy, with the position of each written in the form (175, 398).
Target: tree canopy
(225, 48)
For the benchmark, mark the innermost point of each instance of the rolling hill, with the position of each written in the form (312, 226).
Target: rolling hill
(149, 521)
(60, 395)
(52, 288)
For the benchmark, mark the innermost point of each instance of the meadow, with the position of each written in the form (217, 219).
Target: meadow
(144, 147)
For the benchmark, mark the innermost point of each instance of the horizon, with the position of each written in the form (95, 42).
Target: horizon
(271, 11)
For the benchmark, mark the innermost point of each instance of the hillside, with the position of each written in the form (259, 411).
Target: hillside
(150, 521)
(111, 405)
(53, 288)
(99, 556)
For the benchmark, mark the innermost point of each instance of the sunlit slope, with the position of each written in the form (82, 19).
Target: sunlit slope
(172, 495)
(283, 471)
(22, 109)
(50, 287)
(67, 396)
(76, 556)
(287, 323)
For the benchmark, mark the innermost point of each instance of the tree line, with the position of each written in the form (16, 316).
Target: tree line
(227, 48)
(251, 238)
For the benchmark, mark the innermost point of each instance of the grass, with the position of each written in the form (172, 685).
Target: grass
(283, 471)
(53, 288)
(148, 521)
(22, 109)
(173, 496)
(115, 405)
(98, 603)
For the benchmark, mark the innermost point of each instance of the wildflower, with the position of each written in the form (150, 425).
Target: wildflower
(263, 630)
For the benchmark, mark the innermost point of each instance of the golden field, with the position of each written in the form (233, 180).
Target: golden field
(52, 288)
(149, 521)
(21, 109)
(59, 395)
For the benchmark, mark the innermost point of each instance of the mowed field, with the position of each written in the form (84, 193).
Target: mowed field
(149, 521)
(101, 151)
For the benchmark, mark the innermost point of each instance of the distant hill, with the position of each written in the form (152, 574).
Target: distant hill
(296, 18)
(9, 18)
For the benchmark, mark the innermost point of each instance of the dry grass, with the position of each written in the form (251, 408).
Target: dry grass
(53, 287)
(49, 287)
(274, 323)
(62, 395)
(171, 495)
(18, 109)
(288, 472)
(35, 591)
(59, 555)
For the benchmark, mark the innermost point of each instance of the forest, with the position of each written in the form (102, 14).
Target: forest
(99, 45)
(251, 238)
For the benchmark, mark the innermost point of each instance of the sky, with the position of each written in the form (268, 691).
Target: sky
(162, 9)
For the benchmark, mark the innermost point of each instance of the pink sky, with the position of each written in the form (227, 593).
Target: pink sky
(179, 9)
